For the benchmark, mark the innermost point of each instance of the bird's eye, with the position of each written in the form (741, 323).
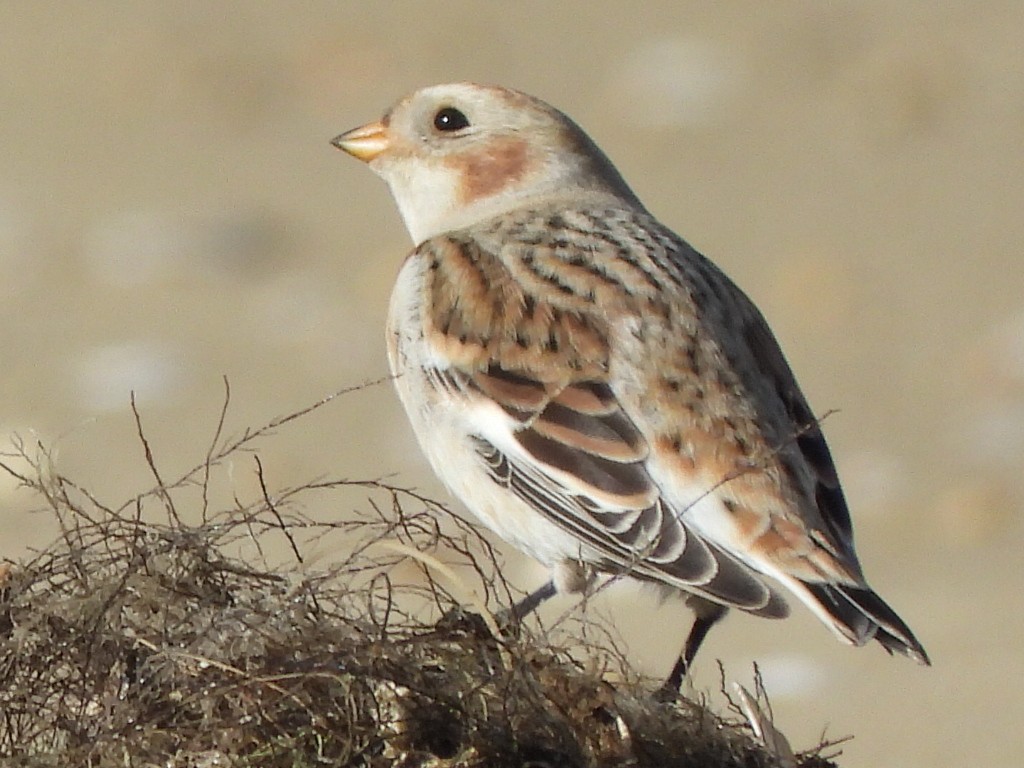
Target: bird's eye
(450, 119)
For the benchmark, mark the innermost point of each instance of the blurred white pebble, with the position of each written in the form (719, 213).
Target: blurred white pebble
(105, 377)
(675, 81)
(792, 676)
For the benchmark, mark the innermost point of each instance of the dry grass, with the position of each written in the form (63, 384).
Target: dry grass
(140, 639)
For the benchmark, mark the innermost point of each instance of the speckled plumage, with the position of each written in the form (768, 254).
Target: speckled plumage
(592, 388)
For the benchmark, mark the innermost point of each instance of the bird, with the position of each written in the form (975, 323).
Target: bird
(593, 389)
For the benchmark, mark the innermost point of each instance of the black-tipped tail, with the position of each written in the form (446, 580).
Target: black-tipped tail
(860, 615)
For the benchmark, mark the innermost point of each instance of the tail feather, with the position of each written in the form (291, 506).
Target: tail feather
(861, 615)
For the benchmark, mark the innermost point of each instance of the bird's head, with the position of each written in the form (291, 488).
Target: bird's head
(456, 154)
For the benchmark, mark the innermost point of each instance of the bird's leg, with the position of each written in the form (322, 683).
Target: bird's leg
(529, 604)
(708, 614)
(459, 619)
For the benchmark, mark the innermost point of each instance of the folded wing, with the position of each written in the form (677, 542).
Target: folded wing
(580, 461)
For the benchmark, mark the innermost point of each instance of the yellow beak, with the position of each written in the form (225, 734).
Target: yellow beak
(365, 142)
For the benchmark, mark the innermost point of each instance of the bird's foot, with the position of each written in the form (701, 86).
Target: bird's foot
(460, 621)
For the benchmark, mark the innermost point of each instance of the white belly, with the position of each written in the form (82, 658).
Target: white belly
(445, 426)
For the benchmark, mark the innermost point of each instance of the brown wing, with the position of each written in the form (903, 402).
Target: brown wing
(565, 446)
(581, 465)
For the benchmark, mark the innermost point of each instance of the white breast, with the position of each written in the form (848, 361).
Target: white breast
(445, 422)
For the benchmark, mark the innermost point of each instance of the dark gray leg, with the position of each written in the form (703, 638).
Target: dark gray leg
(704, 620)
(458, 619)
(531, 602)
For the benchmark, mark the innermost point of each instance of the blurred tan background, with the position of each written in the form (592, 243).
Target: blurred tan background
(171, 213)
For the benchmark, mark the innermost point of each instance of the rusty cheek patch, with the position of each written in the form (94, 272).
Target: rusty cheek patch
(488, 170)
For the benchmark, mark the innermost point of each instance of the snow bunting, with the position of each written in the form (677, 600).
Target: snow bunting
(592, 388)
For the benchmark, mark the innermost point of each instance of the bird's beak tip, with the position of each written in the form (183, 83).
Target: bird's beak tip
(365, 143)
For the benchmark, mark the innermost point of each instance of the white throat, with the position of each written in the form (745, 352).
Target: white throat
(429, 201)
(426, 202)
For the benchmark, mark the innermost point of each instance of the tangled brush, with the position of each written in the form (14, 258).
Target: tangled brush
(162, 632)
